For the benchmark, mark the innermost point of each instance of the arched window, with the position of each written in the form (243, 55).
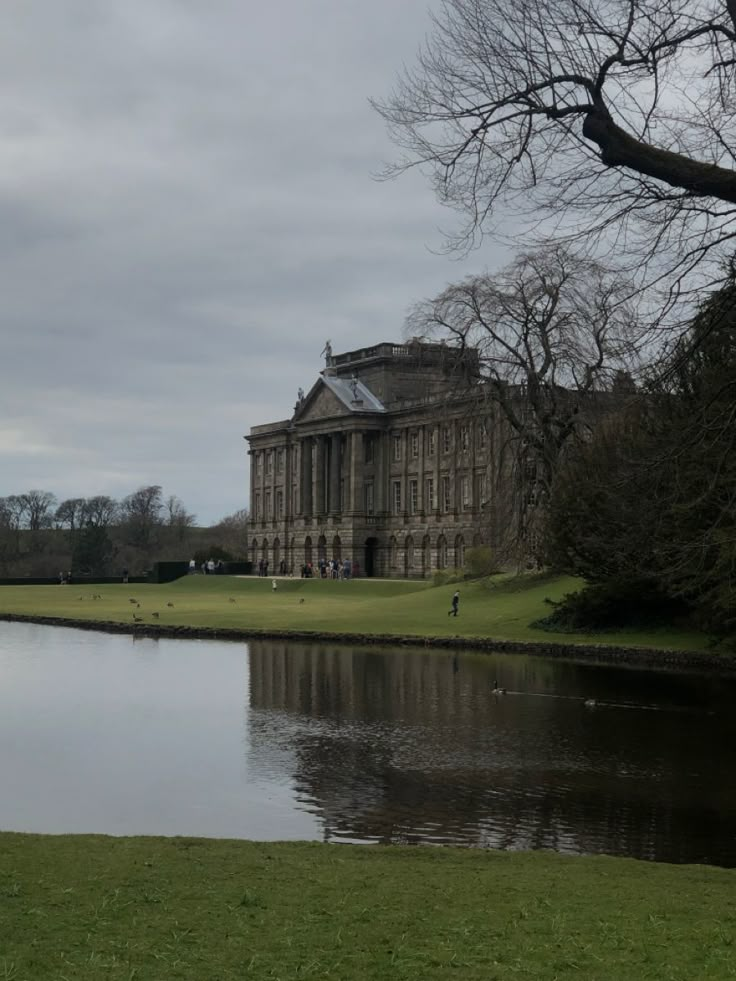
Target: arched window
(408, 555)
(459, 552)
(442, 552)
(336, 547)
(392, 550)
(322, 548)
(276, 554)
(307, 550)
(426, 556)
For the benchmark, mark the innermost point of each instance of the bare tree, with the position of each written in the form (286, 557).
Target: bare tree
(37, 506)
(232, 532)
(10, 518)
(177, 516)
(141, 511)
(553, 335)
(613, 119)
(70, 513)
(99, 511)
(16, 509)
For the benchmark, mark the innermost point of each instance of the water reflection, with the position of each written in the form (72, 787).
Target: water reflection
(105, 734)
(413, 746)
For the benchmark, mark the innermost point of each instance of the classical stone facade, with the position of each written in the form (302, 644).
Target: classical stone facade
(385, 461)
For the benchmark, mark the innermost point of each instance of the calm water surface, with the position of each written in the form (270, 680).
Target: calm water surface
(104, 733)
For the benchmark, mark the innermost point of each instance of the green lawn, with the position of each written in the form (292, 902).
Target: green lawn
(88, 908)
(501, 609)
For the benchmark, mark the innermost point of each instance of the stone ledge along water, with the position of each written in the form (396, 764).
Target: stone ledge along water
(604, 653)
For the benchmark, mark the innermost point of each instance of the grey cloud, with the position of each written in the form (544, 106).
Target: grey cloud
(186, 214)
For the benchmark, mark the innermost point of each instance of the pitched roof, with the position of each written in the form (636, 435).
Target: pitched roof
(353, 394)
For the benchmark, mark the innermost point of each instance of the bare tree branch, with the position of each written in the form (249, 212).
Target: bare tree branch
(612, 122)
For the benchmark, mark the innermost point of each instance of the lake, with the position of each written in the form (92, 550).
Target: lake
(273, 740)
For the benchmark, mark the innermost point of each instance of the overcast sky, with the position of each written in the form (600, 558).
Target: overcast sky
(187, 214)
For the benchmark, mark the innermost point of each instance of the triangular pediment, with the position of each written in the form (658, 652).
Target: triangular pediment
(320, 403)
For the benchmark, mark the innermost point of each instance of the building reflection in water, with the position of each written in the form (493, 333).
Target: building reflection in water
(412, 746)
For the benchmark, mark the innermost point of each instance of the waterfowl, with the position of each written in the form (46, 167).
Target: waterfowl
(496, 690)
(590, 703)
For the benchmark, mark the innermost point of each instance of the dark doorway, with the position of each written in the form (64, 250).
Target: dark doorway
(371, 556)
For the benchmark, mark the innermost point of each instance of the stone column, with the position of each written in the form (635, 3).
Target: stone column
(380, 495)
(454, 481)
(355, 487)
(252, 523)
(420, 471)
(437, 503)
(264, 511)
(335, 470)
(305, 489)
(274, 482)
(406, 447)
(318, 500)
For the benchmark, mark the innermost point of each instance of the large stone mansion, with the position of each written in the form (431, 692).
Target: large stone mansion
(387, 460)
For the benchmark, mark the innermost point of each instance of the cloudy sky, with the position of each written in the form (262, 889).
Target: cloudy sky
(187, 213)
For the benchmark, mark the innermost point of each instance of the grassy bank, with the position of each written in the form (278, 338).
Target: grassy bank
(499, 609)
(89, 908)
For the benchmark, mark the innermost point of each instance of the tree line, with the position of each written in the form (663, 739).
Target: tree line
(99, 535)
(605, 134)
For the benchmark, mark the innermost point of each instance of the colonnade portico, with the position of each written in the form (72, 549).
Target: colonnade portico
(330, 474)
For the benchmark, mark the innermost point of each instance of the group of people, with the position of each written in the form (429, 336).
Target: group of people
(208, 568)
(330, 569)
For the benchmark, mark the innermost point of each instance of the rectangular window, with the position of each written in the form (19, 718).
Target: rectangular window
(397, 447)
(396, 496)
(465, 492)
(269, 461)
(432, 442)
(413, 496)
(464, 437)
(480, 489)
(368, 446)
(280, 461)
(445, 439)
(259, 463)
(343, 502)
(368, 496)
(429, 503)
(257, 505)
(269, 510)
(294, 500)
(482, 436)
(414, 439)
(280, 503)
(446, 496)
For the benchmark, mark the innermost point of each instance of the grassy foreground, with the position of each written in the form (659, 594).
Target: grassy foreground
(88, 908)
(502, 609)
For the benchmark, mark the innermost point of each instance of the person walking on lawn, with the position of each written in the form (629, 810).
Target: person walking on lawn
(455, 604)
